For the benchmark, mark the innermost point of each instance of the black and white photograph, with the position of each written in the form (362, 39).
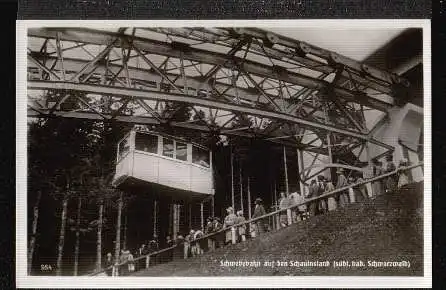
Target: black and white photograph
(241, 149)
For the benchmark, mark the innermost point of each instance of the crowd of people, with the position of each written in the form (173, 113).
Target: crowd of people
(233, 228)
(322, 185)
(127, 258)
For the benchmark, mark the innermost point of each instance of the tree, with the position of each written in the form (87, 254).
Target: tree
(58, 150)
(32, 241)
(72, 158)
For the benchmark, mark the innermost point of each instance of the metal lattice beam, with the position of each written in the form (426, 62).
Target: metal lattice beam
(258, 84)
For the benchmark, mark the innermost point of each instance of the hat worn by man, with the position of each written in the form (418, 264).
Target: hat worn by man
(230, 209)
(258, 200)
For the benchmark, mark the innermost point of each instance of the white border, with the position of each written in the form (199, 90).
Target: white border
(23, 281)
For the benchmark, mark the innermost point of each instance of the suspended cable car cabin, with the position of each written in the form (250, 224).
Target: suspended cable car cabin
(165, 163)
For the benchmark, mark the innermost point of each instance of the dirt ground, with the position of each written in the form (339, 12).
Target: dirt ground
(389, 228)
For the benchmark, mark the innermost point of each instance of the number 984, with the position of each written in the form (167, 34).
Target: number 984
(46, 267)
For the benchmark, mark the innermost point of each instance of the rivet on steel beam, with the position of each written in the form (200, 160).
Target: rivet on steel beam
(304, 47)
(238, 30)
(334, 57)
(272, 37)
(267, 43)
(365, 68)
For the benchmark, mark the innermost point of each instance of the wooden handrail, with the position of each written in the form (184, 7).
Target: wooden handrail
(309, 200)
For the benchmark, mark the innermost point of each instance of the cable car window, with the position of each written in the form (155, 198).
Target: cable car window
(181, 151)
(146, 143)
(123, 147)
(168, 147)
(200, 156)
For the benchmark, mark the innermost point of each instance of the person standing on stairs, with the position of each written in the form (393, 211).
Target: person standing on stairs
(322, 204)
(342, 182)
(331, 201)
(109, 263)
(219, 238)
(208, 230)
(259, 211)
(377, 186)
(360, 190)
(390, 183)
(294, 200)
(283, 204)
(188, 243)
(230, 220)
(196, 247)
(123, 258)
(178, 251)
(242, 228)
(169, 243)
(403, 177)
(313, 192)
(131, 263)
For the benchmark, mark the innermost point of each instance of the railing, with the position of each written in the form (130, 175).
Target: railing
(251, 222)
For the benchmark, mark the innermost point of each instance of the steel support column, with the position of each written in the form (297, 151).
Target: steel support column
(249, 198)
(285, 168)
(300, 163)
(232, 179)
(241, 186)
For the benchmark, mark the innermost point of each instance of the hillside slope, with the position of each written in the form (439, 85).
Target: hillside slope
(389, 228)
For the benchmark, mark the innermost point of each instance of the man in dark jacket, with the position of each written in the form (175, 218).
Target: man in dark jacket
(342, 182)
(209, 229)
(178, 252)
(219, 238)
(390, 183)
(322, 203)
(108, 263)
(169, 243)
(313, 192)
(259, 211)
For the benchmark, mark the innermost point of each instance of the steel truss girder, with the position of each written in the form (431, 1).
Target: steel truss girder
(257, 47)
(33, 112)
(194, 54)
(155, 95)
(197, 83)
(329, 56)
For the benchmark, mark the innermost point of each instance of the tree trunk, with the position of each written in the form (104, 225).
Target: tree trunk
(76, 247)
(99, 238)
(32, 241)
(62, 236)
(118, 229)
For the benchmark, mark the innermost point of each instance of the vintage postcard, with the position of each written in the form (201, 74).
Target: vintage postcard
(285, 153)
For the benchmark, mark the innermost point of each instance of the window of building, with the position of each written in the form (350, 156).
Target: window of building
(146, 143)
(200, 156)
(181, 151)
(168, 147)
(123, 148)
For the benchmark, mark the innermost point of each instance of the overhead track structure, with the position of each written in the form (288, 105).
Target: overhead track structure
(231, 81)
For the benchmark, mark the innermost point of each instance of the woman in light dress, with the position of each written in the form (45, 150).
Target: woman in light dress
(403, 178)
(230, 220)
